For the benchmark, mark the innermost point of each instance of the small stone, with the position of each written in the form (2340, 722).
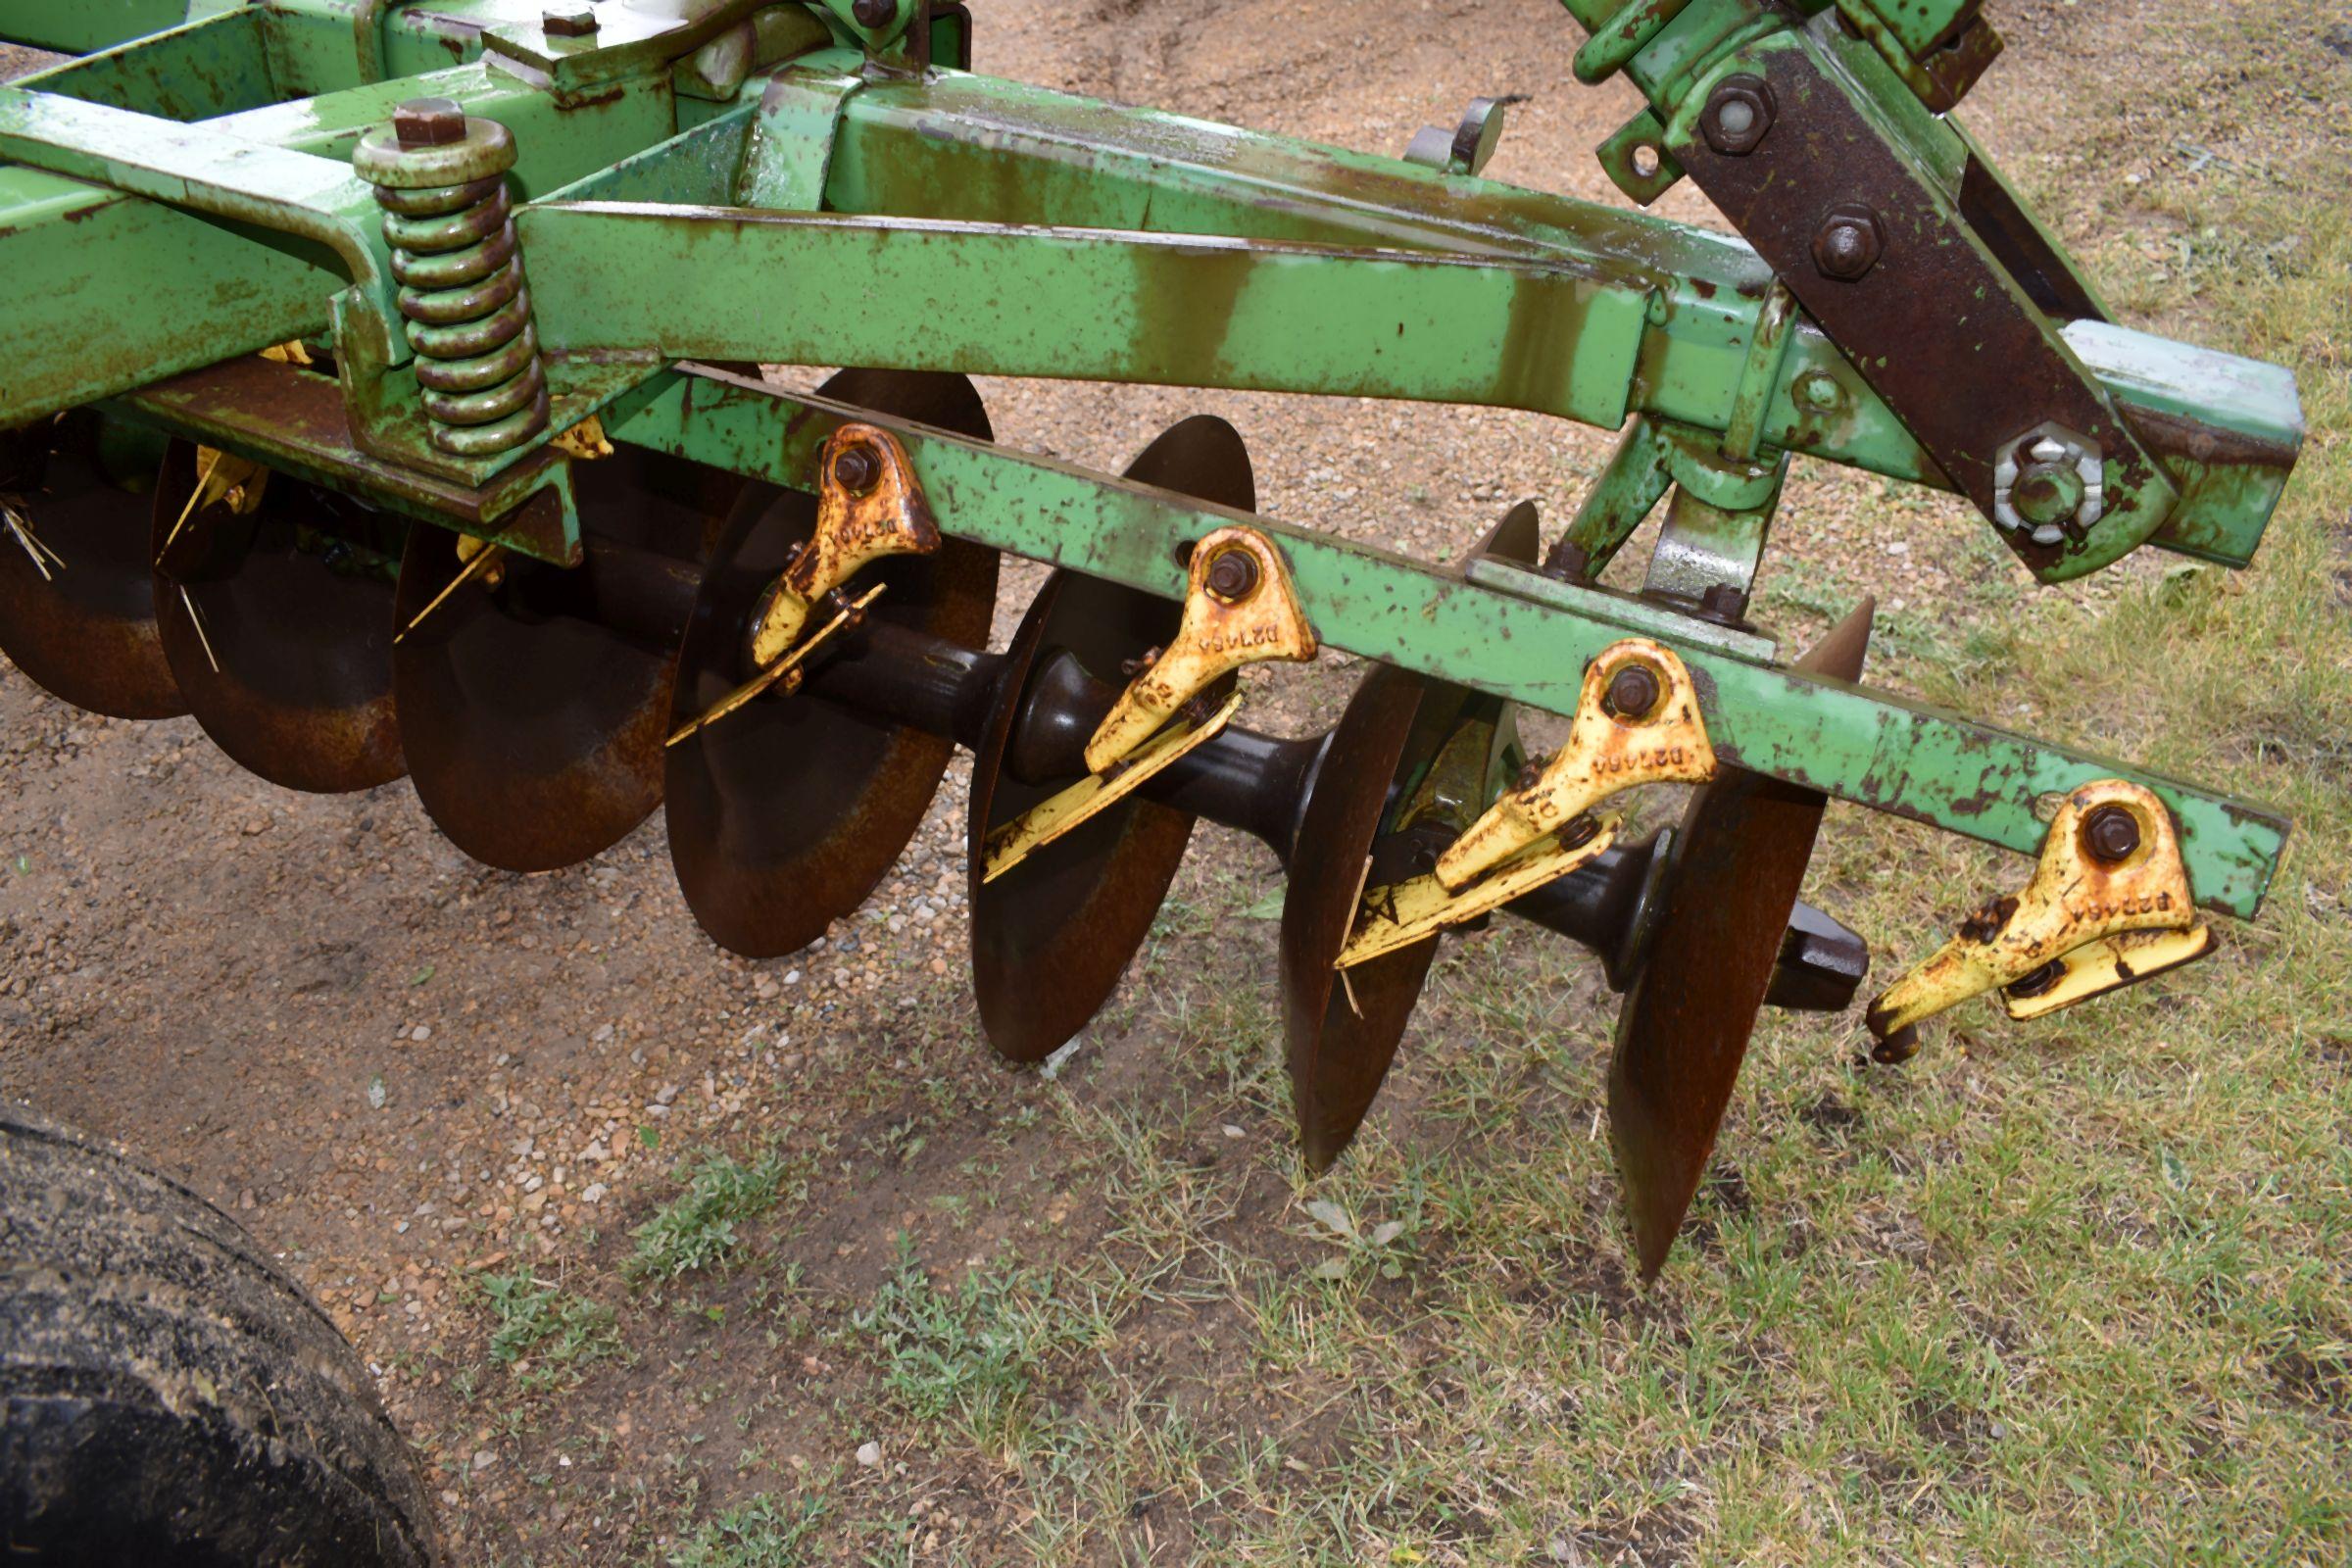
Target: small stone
(422, 1032)
(603, 1035)
(484, 1459)
(665, 1094)
(869, 1456)
(592, 1193)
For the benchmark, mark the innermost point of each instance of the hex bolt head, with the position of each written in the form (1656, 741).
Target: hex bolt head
(1738, 115)
(1233, 576)
(1819, 391)
(568, 21)
(1632, 691)
(1848, 244)
(2111, 834)
(875, 13)
(856, 468)
(429, 122)
(1724, 603)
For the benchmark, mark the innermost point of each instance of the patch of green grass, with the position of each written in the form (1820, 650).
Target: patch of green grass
(544, 1335)
(696, 1229)
(767, 1532)
(967, 1360)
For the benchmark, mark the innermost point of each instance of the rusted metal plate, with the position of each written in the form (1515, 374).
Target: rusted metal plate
(284, 643)
(293, 420)
(1051, 936)
(784, 815)
(1723, 917)
(533, 711)
(1873, 246)
(83, 628)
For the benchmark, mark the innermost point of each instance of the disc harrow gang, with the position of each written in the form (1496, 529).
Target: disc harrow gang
(507, 505)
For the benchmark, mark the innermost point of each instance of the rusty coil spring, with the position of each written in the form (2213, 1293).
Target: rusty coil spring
(449, 222)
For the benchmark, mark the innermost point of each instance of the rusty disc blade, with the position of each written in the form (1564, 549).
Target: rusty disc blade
(533, 711)
(785, 815)
(282, 642)
(85, 630)
(1051, 937)
(1341, 1035)
(1739, 859)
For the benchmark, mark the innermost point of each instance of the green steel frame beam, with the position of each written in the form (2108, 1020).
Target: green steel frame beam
(1861, 746)
(1490, 295)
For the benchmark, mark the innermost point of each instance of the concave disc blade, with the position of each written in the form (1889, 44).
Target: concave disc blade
(1739, 861)
(533, 713)
(286, 657)
(86, 631)
(1051, 936)
(785, 815)
(1341, 1036)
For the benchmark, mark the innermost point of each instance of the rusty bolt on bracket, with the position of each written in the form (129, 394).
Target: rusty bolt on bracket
(2111, 835)
(569, 21)
(856, 468)
(1850, 243)
(1738, 115)
(429, 122)
(1233, 576)
(875, 13)
(1632, 691)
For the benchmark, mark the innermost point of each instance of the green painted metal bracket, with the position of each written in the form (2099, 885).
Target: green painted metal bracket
(200, 289)
(775, 287)
(83, 27)
(1877, 750)
(792, 139)
(269, 188)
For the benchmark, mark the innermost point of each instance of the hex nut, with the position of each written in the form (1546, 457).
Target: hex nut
(1233, 576)
(1848, 243)
(1633, 693)
(429, 122)
(1738, 115)
(855, 468)
(2111, 834)
(568, 21)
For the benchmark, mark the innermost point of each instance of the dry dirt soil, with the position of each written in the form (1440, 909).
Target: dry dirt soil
(411, 1075)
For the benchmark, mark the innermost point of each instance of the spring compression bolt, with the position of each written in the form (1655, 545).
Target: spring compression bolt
(441, 177)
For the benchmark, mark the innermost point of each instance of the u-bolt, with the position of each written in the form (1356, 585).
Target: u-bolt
(440, 176)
